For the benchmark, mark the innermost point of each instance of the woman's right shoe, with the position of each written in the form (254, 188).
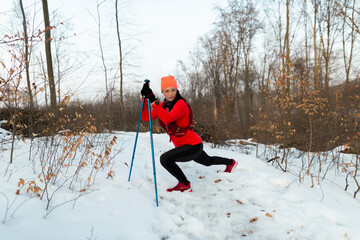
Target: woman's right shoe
(231, 167)
(180, 187)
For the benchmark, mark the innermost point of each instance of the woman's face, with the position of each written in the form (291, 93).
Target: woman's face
(169, 93)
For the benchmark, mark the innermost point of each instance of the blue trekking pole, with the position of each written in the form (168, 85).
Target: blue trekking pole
(136, 138)
(152, 144)
(152, 151)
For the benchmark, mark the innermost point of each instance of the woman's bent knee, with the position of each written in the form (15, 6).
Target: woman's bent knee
(163, 160)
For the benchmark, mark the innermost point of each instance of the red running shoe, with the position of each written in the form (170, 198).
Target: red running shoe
(180, 187)
(231, 167)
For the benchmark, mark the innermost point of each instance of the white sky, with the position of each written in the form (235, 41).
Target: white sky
(174, 26)
(163, 31)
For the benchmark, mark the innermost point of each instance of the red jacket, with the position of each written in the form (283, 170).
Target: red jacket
(180, 114)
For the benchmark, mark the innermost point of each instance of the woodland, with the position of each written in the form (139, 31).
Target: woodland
(283, 72)
(274, 84)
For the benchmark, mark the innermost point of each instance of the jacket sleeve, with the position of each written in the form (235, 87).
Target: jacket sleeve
(179, 110)
(145, 113)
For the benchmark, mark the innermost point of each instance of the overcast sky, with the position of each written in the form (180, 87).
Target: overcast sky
(159, 32)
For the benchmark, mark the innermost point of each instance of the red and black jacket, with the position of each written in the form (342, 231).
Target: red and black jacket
(175, 116)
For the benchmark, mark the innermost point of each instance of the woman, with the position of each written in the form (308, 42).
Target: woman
(175, 116)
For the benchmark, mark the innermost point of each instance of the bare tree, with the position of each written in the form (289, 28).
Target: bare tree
(327, 40)
(27, 60)
(107, 94)
(121, 59)
(286, 50)
(49, 63)
(316, 6)
(341, 6)
(66, 60)
(212, 63)
(238, 26)
(307, 65)
(348, 41)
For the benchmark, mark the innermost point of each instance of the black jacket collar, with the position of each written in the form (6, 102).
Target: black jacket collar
(170, 104)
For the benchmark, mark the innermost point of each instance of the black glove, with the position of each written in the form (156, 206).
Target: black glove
(148, 93)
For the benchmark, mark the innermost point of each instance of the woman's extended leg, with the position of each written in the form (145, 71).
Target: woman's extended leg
(206, 160)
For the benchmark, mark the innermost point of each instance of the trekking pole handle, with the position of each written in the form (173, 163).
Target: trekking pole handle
(147, 81)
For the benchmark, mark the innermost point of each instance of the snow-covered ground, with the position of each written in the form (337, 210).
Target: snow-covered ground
(256, 201)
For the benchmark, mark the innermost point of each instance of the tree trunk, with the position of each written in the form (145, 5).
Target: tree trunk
(287, 47)
(122, 107)
(307, 65)
(327, 54)
(348, 58)
(246, 95)
(316, 64)
(57, 57)
(31, 103)
(107, 96)
(41, 62)
(49, 58)
(327, 46)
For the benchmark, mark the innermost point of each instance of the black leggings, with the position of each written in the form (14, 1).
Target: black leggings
(187, 153)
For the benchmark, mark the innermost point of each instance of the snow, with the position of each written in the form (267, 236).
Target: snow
(256, 201)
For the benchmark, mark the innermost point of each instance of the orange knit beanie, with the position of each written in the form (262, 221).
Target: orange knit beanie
(168, 81)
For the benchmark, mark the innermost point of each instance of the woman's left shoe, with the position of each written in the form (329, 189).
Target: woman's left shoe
(231, 167)
(180, 187)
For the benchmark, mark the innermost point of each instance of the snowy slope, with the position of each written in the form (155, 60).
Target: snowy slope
(256, 201)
